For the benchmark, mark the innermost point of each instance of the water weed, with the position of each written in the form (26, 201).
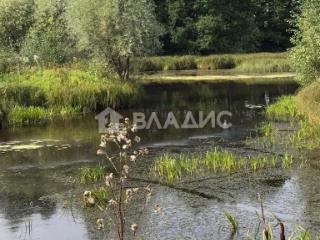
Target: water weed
(92, 174)
(171, 168)
(232, 222)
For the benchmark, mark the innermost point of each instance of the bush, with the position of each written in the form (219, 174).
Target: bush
(16, 17)
(49, 38)
(306, 54)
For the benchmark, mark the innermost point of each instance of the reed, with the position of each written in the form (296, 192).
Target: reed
(171, 168)
(232, 222)
(92, 174)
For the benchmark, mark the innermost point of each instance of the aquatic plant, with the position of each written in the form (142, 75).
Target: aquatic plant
(220, 160)
(173, 167)
(232, 222)
(283, 110)
(116, 183)
(92, 174)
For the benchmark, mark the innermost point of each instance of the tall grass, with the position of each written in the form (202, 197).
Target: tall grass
(174, 167)
(39, 92)
(284, 109)
(92, 174)
(249, 63)
(308, 102)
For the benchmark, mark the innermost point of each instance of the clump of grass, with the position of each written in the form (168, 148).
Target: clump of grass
(219, 160)
(148, 64)
(264, 66)
(180, 63)
(214, 62)
(232, 222)
(307, 136)
(101, 196)
(283, 110)
(266, 129)
(172, 167)
(27, 116)
(92, 174)
(63, 91)
(308, 102)
(20, 116)
(287, 161)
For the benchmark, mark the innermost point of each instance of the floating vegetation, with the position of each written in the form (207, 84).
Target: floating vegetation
(173, 167)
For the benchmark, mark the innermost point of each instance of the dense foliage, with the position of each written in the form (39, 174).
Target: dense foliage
(306, 53)
(128, 27)
(224, 26)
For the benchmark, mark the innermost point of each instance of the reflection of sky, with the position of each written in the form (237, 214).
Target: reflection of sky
(59, 226)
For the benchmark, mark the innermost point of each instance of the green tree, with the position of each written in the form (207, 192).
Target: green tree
(306, 54)
(116, 30)
(16, 17)
(274, 19)
(50, 38)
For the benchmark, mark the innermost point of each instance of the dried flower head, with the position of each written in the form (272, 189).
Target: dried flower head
(109, 179)
(133, 158)
(126, 169)
(134, 228)
(100, 223)
(137, 139)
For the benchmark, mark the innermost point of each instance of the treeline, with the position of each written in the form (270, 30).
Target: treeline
(226, 26)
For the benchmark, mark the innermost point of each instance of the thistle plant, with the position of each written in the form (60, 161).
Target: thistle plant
(123, 136)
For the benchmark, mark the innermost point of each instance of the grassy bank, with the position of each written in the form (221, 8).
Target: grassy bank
(38, 95)
(303, 112)
(241, 63)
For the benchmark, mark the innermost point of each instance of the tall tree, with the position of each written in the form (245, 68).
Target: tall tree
(117, 29)
(16, 17)
(50, 38)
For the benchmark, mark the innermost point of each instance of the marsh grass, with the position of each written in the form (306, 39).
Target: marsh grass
(308, 102)
(232, 222)
(290, 109)
(38, 94)
(171, 168)
(284, 109)
(20, 116)
(249, 63)
(92, 174)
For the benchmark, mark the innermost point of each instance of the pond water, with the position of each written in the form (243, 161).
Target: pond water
(38, 165)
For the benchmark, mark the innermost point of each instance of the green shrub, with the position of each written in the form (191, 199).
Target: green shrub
(50, 38)
(16, 18)
(305, 55)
